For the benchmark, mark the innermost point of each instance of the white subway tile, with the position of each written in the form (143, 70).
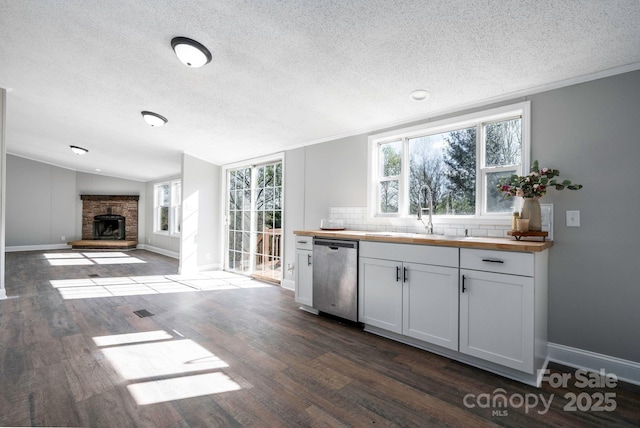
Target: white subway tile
(479, 232)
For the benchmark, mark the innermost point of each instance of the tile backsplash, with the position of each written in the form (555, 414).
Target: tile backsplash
(355, 219)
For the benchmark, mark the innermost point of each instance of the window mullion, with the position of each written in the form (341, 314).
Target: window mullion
(480, 144)
(403, 209)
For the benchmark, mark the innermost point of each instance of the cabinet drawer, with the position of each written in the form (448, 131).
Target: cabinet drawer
(304, 243)
(497, 261)
(424, 254)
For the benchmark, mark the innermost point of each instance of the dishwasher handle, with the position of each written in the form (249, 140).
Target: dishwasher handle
(335, 245)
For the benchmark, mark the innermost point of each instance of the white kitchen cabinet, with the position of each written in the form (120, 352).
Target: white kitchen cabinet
(503, 307)
(304, 270)
(484, 307)
(408, 296)
(380, 293)
(430, 304)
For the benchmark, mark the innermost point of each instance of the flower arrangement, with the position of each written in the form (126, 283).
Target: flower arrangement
(535, 184)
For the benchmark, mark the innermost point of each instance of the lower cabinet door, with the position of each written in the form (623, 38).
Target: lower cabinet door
(497, 318)
(430, 304)
(304, 277)
(380, 293)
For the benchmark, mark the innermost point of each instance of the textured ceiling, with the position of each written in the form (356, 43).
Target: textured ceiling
(284, 73)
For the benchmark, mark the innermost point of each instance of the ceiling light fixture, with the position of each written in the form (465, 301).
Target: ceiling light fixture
(153, 119)
(190, 52)
(419, 95)
(79, 150)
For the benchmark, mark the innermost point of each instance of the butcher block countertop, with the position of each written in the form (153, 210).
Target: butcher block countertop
(483, 243)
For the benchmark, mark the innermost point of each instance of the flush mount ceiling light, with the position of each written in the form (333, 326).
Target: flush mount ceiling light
(190, 52)
(79, 150)
(153, 119)
(419, 95)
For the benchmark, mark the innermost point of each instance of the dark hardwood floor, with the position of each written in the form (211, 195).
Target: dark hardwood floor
(221, 350)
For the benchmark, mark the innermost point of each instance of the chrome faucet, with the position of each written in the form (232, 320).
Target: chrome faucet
(429, 224)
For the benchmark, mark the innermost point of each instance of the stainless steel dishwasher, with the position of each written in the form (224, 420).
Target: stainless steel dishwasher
(335, 277)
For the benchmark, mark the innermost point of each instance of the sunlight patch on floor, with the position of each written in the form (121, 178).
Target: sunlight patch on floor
(90, 258)
(96, 254)
(70, 262)
(117, 261)
(180, 388)
(124, 339)
(84, 288)
(147, 360)
(163, 367)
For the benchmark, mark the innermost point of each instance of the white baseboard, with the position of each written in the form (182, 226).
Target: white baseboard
(289, 284)
(162, 251)
(210, 267)
(42, 247)
(625, 370)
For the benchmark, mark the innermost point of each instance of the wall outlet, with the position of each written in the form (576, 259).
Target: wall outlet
(63, 238)
(573, 218)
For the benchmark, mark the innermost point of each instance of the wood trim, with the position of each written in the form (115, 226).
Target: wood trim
(110, 197)
(484, 243)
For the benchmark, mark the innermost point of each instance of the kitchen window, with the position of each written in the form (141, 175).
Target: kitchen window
(460, 159)
(167, 217)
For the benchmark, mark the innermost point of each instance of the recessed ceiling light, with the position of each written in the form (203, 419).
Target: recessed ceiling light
(420, 95)
(190, 52)
(79, 150)
(153, 119)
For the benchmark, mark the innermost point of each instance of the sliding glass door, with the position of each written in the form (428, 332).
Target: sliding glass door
(254, 221)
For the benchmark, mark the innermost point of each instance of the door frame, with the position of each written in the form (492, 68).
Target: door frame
(250, 163)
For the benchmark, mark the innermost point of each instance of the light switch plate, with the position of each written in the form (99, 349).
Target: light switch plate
(573, 218)
(546, 210)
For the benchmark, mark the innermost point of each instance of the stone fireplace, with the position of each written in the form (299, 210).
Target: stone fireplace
(110, 217)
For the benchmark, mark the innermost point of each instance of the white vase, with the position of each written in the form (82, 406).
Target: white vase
(531, 210)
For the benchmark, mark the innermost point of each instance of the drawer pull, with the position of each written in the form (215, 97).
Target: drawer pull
(302, 242)
(492, 261)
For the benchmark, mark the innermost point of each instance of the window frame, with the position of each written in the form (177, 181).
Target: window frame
(477, 119)
(174, 208)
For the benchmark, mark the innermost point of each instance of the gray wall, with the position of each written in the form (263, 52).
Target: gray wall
(3, 187)
(44, 205)
(336, 176)
(590, 133)
(41, 203)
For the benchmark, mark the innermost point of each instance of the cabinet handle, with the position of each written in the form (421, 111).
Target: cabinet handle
(308, 259)
(463, 287)
(406, 274)
(302, 242)
(397, 273)
(492, 261)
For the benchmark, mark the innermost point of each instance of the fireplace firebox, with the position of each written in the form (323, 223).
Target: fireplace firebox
(109, 227)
